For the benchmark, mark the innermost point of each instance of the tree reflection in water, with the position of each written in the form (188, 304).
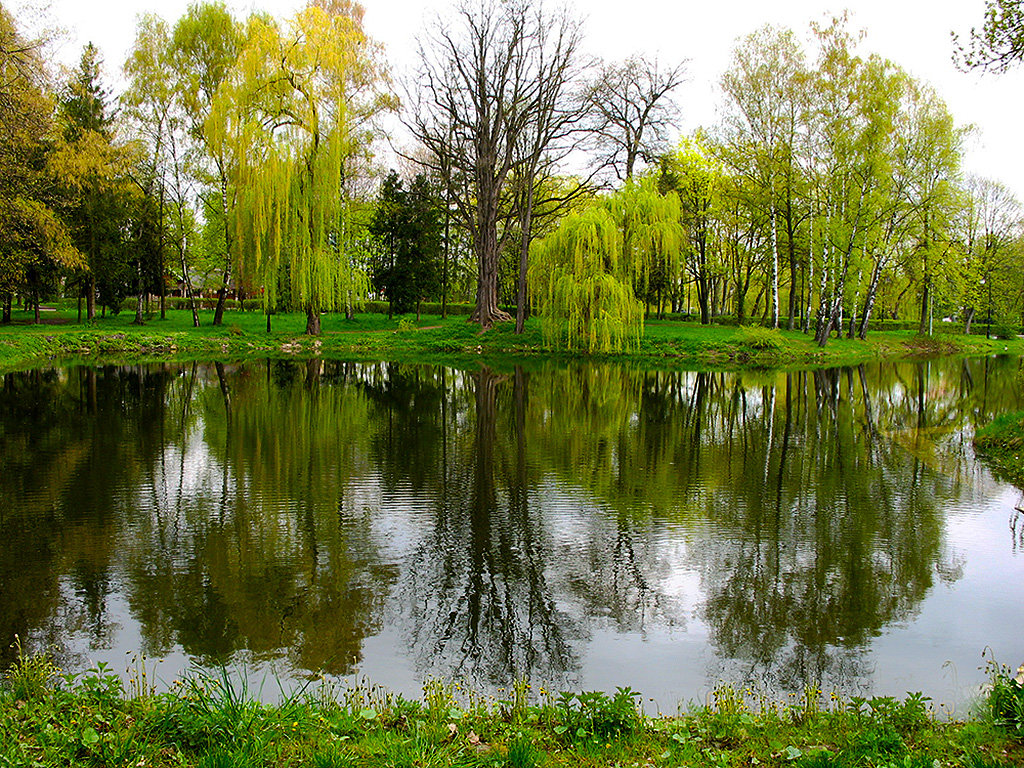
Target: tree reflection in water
(498, 520)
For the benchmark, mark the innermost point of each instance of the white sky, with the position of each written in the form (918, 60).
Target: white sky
(913, 33)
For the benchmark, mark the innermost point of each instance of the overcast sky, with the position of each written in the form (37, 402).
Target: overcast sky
(913, 33)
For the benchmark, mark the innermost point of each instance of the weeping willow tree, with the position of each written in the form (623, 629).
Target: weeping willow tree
(652, 237)
(586, 275)
(298, 107)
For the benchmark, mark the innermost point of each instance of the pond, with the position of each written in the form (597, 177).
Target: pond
(581, 527)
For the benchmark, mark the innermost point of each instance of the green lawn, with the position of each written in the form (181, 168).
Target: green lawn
(666, 343)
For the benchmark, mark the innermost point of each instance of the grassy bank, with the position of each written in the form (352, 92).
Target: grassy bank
(1001, 444)
(433, 339)
(51, 719)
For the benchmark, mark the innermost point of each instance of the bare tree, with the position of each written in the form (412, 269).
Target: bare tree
(468, 111)
(553, 132)
(489, 103)
(633, 111)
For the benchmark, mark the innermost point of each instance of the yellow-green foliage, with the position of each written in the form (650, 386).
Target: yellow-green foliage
(649, 228)
(293, 110)
(578, 287)
(583, 274)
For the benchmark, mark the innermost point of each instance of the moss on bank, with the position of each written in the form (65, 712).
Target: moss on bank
(47, 718)
(451, 340)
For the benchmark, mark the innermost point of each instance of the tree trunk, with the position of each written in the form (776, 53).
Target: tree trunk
(447, 253)
(794, 296)
(139, 320)
(869, 300)
(922, 327)
(926, 292)
(6, 320)
(189, 292)
(90, 297)
(526, 222)
(218, 313)
(968, 320)
(487, 311)
(775, 271)
(312, 322)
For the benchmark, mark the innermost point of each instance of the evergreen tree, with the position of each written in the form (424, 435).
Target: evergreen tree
(407, 225)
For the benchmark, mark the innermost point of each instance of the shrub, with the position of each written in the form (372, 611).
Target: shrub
(1004, 331)
(759, 339)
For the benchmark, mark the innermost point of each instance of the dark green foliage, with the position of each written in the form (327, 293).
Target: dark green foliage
(596, 716)
(407, 227)
(1001, 331)
(1005, 699)
(85, 102)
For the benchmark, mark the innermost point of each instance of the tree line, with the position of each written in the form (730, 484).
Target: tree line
(243, 158)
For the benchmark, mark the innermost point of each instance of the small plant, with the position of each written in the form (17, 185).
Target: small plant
(31, 676)
(405, 325)
(759, 339)
(596, 716)
(235, 329)
(102, 686)
(523, 753)
(1005, 699)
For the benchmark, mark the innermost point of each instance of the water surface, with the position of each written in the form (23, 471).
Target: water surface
(583, 527)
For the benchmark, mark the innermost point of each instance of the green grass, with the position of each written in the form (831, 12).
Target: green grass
(371, 336)
(1001, 445)
(48, 718)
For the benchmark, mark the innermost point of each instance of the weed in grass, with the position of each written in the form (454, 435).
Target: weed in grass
(141, 684)
(1005, 698)
(594, 716)
(333, 756)
(31, 676)
(523, 753)
(976, 759)
(879, 740)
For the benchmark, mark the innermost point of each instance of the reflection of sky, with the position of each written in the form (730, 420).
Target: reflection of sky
(957, 621)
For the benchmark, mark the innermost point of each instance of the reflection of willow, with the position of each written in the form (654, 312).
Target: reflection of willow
(618, 433)
(61, 504)
(271, 556)
(478, 596)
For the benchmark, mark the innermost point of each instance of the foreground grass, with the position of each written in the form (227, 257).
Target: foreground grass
(48, 719)
(433, 339)
(1001, 444)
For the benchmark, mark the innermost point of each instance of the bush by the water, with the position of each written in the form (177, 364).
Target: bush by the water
(759, 338)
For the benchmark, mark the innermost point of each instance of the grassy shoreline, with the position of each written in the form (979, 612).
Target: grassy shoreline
(666, 344)
(50, 718)
(1001, 444)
